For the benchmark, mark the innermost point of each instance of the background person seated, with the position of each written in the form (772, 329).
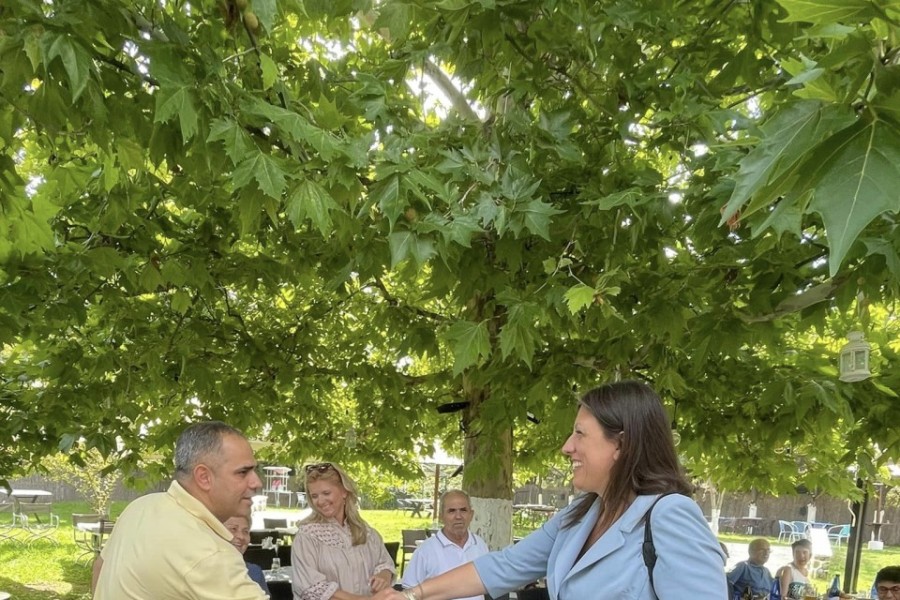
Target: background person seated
(752, 574)
(887, 583)
(795, 575)
(240, 529)
(452, 546)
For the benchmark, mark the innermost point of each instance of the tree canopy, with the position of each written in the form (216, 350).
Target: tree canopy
(315, 217)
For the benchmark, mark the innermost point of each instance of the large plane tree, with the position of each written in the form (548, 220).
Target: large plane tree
(324, 219)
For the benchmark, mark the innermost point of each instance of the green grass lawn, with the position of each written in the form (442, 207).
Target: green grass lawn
(44, 571)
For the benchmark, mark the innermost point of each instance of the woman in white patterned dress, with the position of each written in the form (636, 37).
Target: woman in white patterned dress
(336, 555)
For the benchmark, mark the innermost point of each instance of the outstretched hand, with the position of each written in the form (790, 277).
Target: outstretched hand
(389, 594)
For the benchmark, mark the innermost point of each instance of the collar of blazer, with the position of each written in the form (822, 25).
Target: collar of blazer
(608, 543)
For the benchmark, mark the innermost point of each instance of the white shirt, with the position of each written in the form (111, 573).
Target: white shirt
(438, 555)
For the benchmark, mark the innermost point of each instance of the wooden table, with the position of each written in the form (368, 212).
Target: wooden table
(417, 505)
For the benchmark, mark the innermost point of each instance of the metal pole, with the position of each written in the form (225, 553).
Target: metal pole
(855, 542)
(437, 493)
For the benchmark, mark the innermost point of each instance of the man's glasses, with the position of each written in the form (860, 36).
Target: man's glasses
(318, 467)
(883, 590)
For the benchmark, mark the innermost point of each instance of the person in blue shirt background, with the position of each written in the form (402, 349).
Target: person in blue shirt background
(240, 529)
(752, 573)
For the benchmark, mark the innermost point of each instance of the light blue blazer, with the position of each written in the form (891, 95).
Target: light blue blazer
(689, 564)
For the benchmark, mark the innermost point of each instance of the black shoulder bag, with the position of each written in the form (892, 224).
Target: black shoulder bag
(648, 550)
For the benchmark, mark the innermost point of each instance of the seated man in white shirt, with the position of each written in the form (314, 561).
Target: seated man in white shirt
(450, 547)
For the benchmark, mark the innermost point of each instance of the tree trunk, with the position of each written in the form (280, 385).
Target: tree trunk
(716, 498)
(487, 476)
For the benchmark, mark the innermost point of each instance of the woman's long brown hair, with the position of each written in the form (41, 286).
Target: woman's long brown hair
(647, 463)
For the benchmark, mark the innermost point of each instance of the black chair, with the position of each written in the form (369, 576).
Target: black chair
(273, 523)
(284, 553)
(392, 549)
(280, 590)
(257, 536)
(533, 593)
(410, 537)
(260, 556)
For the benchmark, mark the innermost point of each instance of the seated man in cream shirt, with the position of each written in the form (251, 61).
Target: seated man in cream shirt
(174, 544)
(450, 547)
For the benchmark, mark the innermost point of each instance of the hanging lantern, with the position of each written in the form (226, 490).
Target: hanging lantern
(350, 438)
(855, 358)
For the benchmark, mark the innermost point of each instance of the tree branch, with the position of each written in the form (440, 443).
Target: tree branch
(444, 83)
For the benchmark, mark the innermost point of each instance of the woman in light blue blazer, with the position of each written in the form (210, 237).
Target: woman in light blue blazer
(624, 459)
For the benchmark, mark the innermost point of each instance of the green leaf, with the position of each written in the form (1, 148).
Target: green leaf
(151, 280)
(66, 441)
(519, 334)
(630, 197)
(75, 60)
(462, 229)
(265, 170)
(131, 155)
(470, 343)
(886, 249)
(177, 101)
(406, 244)
(32, 234)
(269, 70)
(537, 217)
(265, 10)
(395, 17)
(249, 210)
(825, 12)
(181, 302)
(786, 138)
(579, 296)
(310, 200)
(787, 216)
(236, 140)
(854, 187)
(386, 194)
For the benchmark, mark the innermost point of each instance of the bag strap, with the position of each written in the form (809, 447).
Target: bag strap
(647, 549)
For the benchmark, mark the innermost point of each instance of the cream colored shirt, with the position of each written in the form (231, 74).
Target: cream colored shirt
(168, 546)
(324, 560)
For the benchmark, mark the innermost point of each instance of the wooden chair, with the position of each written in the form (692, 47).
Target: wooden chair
(410, 537)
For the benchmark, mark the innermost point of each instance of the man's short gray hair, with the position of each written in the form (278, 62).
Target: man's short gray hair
(454, 493)
(199, 441)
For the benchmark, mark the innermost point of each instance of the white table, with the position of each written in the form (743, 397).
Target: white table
(31, 495)
(282, 574)
(22, 498)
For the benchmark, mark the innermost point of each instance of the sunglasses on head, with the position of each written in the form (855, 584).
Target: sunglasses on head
(319, 467)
